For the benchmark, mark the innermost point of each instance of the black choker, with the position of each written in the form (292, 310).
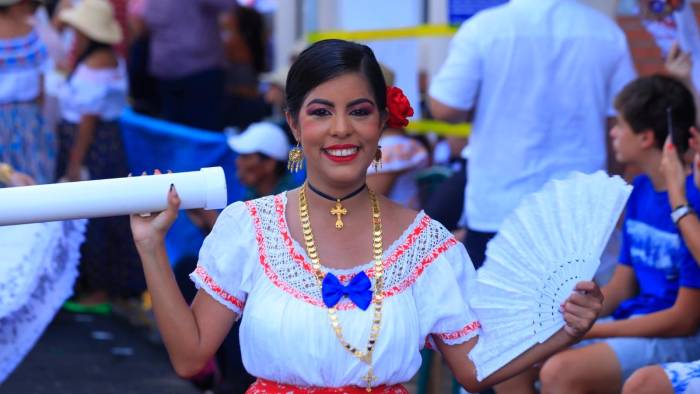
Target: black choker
(338, 211)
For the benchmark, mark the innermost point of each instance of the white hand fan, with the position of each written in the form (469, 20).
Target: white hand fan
(553, 240)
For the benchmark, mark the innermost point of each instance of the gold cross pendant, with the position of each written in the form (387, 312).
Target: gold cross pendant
(370, 378)
(338, 212)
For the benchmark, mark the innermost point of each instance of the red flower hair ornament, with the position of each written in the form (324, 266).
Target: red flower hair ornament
(398, 107)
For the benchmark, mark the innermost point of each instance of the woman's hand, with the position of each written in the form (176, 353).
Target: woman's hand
(149, 230)
(582, 309)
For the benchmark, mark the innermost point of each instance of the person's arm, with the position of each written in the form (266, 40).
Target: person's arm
(679, 65)
(581, 310)
(446, 113)
(622, 286)
(190, 334)
(674, 173)
(81, 145)
(682, 319)
(454, 89)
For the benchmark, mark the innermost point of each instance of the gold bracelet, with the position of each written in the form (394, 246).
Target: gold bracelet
(6, 172)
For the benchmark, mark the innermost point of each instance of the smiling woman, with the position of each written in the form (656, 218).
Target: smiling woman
(328, 307)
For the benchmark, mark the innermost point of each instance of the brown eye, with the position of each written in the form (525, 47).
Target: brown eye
(320, 112)
(360, 112)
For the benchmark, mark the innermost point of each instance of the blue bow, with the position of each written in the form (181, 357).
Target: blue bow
(358, 290)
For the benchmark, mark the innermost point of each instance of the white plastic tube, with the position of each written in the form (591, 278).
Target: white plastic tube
(111, 197)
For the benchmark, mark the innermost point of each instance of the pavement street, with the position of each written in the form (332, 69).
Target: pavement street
(97, 355)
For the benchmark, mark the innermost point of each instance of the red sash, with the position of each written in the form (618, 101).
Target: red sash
(262, 386)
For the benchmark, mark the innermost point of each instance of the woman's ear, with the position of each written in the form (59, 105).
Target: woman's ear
(382, 120)
(293, 126)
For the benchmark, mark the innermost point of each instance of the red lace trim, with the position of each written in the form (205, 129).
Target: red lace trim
(262, 386)
(279, 283)
(451, 336)
(271, 274)
(209, 281)
(299, 258)
(421, 267)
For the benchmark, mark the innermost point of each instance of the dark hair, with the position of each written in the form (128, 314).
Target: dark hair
(645, 104)
(252, 28)
(329, 59)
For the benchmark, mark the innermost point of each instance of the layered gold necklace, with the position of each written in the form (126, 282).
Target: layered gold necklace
(378, 295)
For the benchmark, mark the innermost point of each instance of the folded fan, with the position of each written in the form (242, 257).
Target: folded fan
(553, 240)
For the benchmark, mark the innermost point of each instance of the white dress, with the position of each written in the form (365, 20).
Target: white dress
(95, 91)
(252, 265)
(38, 267)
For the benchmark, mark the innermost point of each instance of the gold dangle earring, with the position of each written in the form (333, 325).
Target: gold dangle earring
(377, 161)
(296, 159)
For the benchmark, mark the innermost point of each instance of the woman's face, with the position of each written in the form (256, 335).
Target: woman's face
(80, 41)
(339, 126)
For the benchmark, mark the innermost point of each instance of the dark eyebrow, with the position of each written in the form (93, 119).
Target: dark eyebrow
(330, 103)
(360, 101)
(321, 101)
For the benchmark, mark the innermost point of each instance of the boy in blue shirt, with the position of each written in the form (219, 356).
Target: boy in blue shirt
(653, 297)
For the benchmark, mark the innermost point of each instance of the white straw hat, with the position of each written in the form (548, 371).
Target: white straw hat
(264, 137)
(95, 19)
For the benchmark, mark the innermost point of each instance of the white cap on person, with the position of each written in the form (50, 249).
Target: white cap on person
(264, 137)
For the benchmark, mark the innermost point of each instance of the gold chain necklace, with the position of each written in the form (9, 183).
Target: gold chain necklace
(378, 295)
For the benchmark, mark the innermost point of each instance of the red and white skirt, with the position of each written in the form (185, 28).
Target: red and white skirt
(262, 386)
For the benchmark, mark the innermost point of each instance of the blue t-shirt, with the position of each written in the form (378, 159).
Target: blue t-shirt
(653, 247)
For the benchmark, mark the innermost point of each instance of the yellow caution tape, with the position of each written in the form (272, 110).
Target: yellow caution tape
(439, 128)
(385, 34)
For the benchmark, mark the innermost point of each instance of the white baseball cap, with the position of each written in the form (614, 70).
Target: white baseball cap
(264, 137)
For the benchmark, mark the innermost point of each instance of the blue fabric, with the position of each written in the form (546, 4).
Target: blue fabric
(684, 377)
(151, 143)
(652, 246)
(358, 290)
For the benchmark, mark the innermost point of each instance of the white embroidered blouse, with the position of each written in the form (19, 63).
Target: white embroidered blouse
(92, 91)
(252, 265)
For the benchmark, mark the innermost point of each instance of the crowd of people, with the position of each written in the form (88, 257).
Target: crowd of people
(283, 295)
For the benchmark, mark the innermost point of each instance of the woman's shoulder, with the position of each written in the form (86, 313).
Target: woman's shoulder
(398, 213)
(23, 51)
(102, 60)
(255, 208)
(103, 68)
(405, 219)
